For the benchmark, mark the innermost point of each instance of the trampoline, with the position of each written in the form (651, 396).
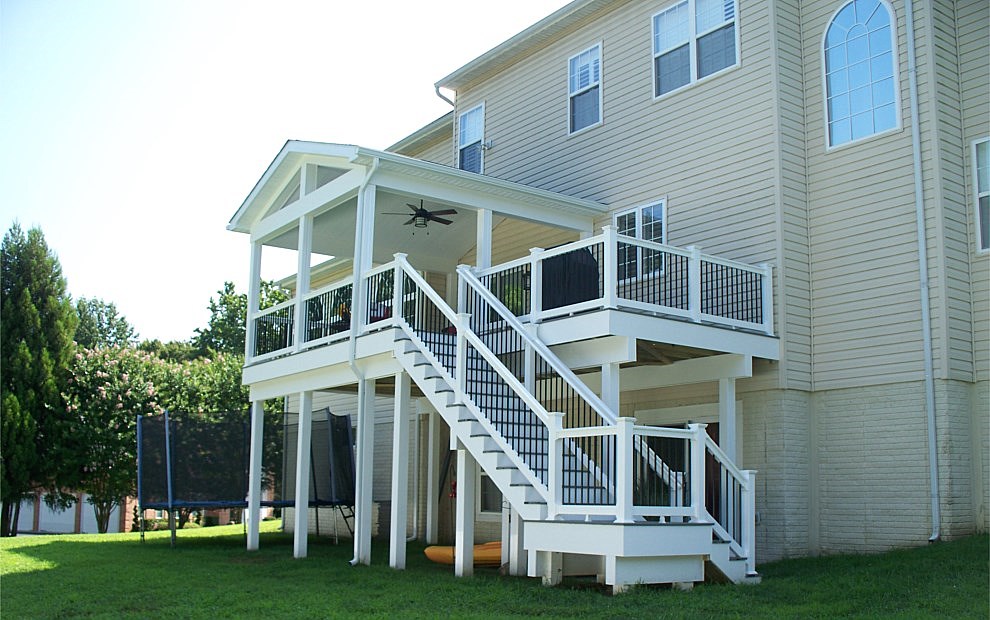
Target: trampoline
(187, 462)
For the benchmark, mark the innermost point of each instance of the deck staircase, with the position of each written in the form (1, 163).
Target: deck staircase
(586, 483)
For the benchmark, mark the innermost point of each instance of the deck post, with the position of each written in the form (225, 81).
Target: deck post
(610, 386)
(303, 443)
(305, 245)
(254, 474)
(365, 464)
(749, 520)
(517, 554)
(555, 465)
(535, 285)
(611, 267)
(460, 363)
(467, 474)
(433, 480)
(483, 256)
(697, 470)
(767, 281)
(400, 472)
(624, 470)
(254, 292)
(694, 283)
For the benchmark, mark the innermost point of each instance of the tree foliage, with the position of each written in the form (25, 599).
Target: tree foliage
(174, 351)
(226, 331)
(109, 388)
(100, 325)
(37, 323)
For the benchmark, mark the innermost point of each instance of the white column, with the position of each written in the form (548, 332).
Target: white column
(610, 386)
(611, 268)
(483, 258)
(624, 470)
(433, 480)
(517, 554)
(254, 292)
(400, 472)
(305, 245)
(301, 521)
(467, 473)
(364, 243)
(727, 418)
(365, 467)
(694, 283)
(254, 474)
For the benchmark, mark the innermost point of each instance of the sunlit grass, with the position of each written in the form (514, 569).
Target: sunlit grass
(209, 574)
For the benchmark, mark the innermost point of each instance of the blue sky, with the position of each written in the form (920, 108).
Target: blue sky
(131, 130)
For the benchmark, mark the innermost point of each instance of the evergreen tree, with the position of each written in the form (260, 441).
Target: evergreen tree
(37, 323)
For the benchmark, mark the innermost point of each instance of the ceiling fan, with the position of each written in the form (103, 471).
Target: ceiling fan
(422, 216)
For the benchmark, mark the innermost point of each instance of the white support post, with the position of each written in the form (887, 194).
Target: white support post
(555, 465)
(529, 363)
(364, 245)
(254, 474)
(517, 554)
(301, 516)
(506, 531)
(433, 480)
(254, 292)
(462, 291)
(400, 472)
(305, 245)
(749, 519)
(727, 418)
(365, 467)
(697, 470)
(611, 268)
(307, 179)
(467, 474)
(397, 289)
(694, 283)
(767, 281)
(535, 285)
(483, 257)
(611, 387)
(624, 470)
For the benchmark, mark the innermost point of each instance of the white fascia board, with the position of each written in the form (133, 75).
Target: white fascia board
(286, 162)
(322, 199)
(589, 353)
(685, 372)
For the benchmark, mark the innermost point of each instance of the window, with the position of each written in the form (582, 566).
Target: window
(584, 89)
(981, 182)
(489, 497)
(860, 86)
(471, 132)
(692, 40)
(642, 223)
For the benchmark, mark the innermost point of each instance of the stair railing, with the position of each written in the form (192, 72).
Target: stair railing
(730, 501)
(429, 322)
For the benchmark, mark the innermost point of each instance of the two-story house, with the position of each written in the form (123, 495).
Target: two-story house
(679, 282)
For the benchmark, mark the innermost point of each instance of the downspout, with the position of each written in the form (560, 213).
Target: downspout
(926, 327)
(355, 292)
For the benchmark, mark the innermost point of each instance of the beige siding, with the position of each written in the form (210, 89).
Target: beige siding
(973, 19)
(439, 152)
(512, 239)
(863, 239)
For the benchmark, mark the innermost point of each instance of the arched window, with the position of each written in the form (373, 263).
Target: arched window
(860, 82)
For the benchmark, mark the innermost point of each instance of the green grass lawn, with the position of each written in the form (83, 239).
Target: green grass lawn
(209, 575)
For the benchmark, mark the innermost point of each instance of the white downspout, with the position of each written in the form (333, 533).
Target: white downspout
(926, 327)
(355, 286)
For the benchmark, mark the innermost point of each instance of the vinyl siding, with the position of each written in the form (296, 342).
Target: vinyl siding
(512, 239)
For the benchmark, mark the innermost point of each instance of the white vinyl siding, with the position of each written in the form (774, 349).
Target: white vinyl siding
(860, 78)
(692, 40)
(584, 85)
(981, 204)
(470, 134)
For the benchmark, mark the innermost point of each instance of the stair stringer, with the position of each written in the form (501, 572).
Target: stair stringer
(726, 565)
(519, 486)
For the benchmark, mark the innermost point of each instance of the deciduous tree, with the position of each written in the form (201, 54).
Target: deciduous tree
(100, 325)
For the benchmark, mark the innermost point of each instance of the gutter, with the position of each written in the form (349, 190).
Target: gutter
(926, 327)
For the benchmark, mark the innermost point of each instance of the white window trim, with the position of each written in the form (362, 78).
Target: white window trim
(693, 52)
(457, 143)
(638, 210)
(601, 89)
(976, 193)
(478, 514)
(898, 120)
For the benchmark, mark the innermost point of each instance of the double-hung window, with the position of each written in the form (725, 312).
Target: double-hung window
(470, 134)
(860, 81)
(692, 40)
(646, 223)
(981, 182)
(585, 89)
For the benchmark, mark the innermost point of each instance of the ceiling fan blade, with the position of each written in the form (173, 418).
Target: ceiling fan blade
(440, 220)
(387, 213)
(411, 220)
(413, 207)
(444, 212)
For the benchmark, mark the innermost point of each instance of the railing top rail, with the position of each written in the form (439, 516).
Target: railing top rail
(274, 309)
(653, 245)
(662, 431)
(544, 254)
(543, 350)
(728, 262)
(329, 287)
(726, 462)
(379, 269)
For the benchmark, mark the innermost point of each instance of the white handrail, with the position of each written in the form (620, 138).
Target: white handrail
(273, 309)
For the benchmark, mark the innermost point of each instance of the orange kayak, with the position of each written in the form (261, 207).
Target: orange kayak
(487, 554)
